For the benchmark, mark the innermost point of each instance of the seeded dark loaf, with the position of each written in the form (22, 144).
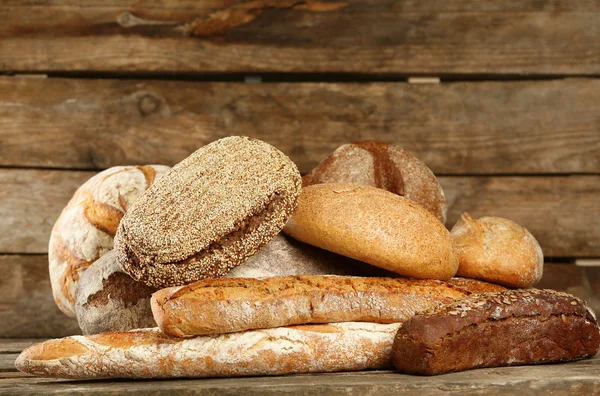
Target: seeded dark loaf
(507, 328)
(209, 213)
(215, 306)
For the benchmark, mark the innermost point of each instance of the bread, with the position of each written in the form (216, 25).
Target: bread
(497, 250)
(85, 229)
(382, 165)
(210, 213)
(148, 353)
(285, 256)
(375, 226)
(110, 300)
(216, 306)
(512, 327)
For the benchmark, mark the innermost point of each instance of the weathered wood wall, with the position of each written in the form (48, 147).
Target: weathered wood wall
(513, 129)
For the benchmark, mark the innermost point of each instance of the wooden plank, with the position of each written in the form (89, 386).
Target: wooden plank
(456, 128)
(27, 308)
(576, 378)
(561, 212)
(7, 361)
(355, 36)
(15, 345)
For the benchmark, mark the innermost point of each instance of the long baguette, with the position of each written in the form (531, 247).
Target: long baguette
(148, 353)
(217, 306)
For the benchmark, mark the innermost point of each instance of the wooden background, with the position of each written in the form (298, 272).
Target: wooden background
(513, 129)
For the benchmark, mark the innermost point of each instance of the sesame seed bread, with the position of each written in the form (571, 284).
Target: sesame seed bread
(86, 227)
(210, 213)
(382, 165)
(216, 306)
(375, 226)
(507, 328)
(497, 250)
(148, 353)
(110, 300)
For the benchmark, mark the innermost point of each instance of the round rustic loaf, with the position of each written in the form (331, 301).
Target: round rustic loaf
(86, 227)
(210, 213)
(110, 300)
(375, 226)
(284, 256)
(497, 250)
(382, 165)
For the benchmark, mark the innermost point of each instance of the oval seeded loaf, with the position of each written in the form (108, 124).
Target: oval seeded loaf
(374, 226)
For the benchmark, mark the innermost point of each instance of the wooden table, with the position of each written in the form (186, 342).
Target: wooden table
(575, 378)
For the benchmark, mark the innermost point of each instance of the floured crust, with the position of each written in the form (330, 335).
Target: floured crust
(148, 353)
(209, 213)
(497, 250)
(497, 329)
(223, 305)
(382, 165)
(86, 227)
(374, 226)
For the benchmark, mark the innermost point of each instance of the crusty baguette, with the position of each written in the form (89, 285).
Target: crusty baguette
(507, 328)
(148, 353)
(216, 306)
(375, 226)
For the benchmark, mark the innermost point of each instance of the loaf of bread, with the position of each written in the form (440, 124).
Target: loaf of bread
(497, 250)
(110, 300)
(382, 165)
(375, 226)
(209, 213)
(85, 229)
(216, 306)
(512, 327)
(148, 353)
(285, 256)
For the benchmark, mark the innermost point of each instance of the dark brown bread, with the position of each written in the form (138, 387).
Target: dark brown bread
(209, 213)
(216, 306)
(507, 328)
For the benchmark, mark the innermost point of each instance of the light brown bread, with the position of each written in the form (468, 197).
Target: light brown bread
(216, 306)
(209, 213)
(148, 353)
(110, 300)
(508, 328)
(382, 165)
(86, 227)
(375, 226)
(497, 250)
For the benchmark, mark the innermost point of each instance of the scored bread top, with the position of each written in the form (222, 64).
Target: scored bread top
(207, 196)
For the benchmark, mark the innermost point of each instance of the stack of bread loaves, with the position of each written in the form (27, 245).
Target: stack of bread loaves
(362, 276)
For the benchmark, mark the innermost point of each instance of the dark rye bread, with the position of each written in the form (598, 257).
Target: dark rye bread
(110, 300)
(508, 328)
(209, 213)
(385, 166)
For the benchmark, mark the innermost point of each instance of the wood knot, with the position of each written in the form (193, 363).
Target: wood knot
(148, 104)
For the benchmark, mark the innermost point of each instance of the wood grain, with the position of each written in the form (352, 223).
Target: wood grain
(16, 345)
(561, 211)
(27, 308)
(356, 36)
(455, 128)
(574, 379)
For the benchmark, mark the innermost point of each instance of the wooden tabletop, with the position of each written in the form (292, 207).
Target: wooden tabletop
(575, 378)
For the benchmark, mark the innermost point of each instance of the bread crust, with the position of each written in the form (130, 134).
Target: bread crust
(216, 306)
(374, 226)
(511, 327)
(148, 353)
(210, 213)
(382, 165)
(85, 229)
(497, 250)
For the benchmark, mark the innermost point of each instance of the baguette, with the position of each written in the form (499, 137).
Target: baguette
(216, 306)
(148, 353)
(508, 328)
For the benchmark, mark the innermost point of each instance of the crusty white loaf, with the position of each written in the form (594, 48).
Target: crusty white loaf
(87, 225)
(148, 353)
